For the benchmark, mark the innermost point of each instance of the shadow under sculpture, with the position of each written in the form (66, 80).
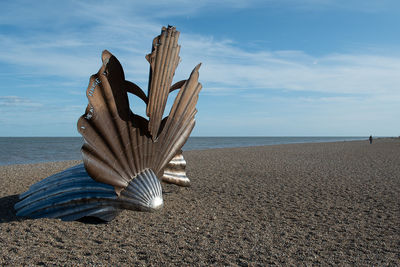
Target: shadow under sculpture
(124, 155)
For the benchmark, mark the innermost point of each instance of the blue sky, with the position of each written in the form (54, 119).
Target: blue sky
(270, 68)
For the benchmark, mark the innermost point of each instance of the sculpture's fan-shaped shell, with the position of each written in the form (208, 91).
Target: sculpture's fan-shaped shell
(117, 145)
(163, 60)
(123, 153)
(117, 142)
(174, 172)
(73, 194)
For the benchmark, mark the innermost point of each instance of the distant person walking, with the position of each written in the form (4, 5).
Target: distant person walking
(370, 139)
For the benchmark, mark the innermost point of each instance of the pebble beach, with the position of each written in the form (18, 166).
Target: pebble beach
(297, 204)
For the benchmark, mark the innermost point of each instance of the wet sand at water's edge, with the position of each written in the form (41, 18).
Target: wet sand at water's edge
(325, 203)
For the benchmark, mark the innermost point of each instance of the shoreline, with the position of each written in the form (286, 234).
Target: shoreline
(39, 150)
(325, 203)
(185, 151)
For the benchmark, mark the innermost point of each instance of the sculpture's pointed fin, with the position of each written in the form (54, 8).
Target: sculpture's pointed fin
(163, 60)
(136, 90)
(177, 85)
(179, 123)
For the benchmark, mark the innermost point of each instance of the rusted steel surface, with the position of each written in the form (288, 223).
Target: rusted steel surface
(124, 151)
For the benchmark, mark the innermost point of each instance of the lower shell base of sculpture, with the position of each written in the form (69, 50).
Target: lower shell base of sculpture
(143, 193)
(72, 194)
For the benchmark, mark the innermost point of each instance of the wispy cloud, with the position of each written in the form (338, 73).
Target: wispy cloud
(18, 102)
(229, 67)
(367, 6)
(224, 66)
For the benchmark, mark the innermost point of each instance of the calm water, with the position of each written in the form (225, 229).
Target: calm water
(20, 150)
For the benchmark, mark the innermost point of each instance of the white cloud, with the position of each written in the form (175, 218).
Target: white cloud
(232, 67)
(18, 102)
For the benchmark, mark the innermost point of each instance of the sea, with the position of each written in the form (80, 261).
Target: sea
(24, 150)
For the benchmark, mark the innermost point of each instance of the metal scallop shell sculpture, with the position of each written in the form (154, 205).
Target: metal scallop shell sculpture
(124, 155)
